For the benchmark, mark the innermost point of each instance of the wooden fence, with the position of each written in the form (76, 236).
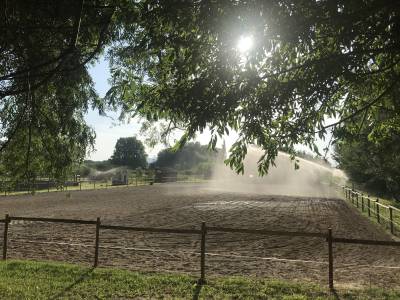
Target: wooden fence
(7, 188)
(385, 214)
(202, 233)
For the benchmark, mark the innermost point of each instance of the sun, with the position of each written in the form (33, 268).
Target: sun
(244, 44)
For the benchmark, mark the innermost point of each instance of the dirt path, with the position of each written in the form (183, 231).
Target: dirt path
(186, 206)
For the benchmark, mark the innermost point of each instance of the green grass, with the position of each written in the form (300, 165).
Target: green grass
(41, 280)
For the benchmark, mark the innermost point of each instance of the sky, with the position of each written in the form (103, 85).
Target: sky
(108, 128)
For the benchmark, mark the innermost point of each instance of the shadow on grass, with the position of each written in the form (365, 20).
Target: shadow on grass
(335, 294)
(72, 285)
(197, 290)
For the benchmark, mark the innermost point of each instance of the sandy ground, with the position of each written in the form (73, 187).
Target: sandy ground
(186, 206)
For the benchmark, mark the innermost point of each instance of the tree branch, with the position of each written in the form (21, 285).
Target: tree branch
(366, 106)
(50, 74)
(77, 27)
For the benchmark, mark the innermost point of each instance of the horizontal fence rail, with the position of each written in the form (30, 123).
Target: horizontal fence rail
(151, 229)
(53, 220)
(266, 232)
(202, 232)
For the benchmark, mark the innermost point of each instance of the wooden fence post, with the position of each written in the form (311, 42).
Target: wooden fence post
(369, 206)
(352, 196)
(362, 202)
(5, 240)
(357, 199)
(391, 219)
(203, 254)
(377, 210)
(330, 257)
(96, 249)
(94, 185)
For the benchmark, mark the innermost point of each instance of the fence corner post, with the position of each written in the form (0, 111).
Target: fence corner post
(5, 240)
(330, 257)
(202, 279)
(96, 249)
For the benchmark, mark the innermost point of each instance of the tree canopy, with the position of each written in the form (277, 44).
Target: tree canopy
(369, 149)
(45, 89)
(178, 61)
(311, 60)
(130, 152)
(191, 157)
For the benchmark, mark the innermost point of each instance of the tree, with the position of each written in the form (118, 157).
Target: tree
(190, 158)
(369, 149)
(50, 137)
(311, 60)
(185, 158)
(130, 152)
(45, 88)
(178, 61)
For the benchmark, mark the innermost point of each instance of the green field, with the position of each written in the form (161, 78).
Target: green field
(42, 280)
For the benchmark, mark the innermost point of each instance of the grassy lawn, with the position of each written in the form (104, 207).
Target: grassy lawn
(41, 280)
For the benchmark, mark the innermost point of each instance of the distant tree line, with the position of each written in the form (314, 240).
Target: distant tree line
(313, 157)
(193, 157)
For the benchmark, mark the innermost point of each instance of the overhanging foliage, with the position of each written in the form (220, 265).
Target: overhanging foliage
(178, 61)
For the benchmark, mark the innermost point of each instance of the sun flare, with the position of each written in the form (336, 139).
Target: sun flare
(245, 43)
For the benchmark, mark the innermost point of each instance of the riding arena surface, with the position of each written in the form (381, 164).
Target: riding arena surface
(185, 206)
